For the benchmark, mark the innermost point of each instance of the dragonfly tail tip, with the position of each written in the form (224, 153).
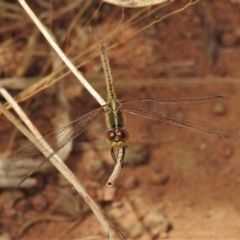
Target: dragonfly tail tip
(109, 184)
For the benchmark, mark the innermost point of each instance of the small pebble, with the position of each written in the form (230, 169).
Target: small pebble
(115, 213)
(219, 109)
(203, 146)
(159, 178)
(130, 182)
(136, 231)
(156, 222)
(117, 204)
(163, 235)
(5, 236)
(109, 194)
(226, 151)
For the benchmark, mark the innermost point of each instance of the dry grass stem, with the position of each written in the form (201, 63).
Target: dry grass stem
(59, 164)
(61, 53)
(49, 80)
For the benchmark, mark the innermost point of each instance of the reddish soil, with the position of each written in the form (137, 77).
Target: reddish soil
(192, 178)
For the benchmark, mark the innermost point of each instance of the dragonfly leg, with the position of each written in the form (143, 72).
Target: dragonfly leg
(113, 155)
(115, 159)
(123, 154)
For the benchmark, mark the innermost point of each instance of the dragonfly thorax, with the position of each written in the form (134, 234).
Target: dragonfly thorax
(117, 138)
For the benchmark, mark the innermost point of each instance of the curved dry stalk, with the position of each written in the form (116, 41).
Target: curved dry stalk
(54, 76)
(136, 4)
(61, 54)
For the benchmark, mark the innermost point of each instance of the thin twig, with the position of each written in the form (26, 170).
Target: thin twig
(61, 53)
(54, 76)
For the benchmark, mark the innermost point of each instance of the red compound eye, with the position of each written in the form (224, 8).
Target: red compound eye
(110, 136)
(122, 134)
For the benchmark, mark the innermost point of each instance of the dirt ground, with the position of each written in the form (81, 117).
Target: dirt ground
(177, 183)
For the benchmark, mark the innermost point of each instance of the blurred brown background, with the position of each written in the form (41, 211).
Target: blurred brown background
(183, 182)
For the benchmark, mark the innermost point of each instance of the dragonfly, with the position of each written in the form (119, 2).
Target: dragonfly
(117, 135)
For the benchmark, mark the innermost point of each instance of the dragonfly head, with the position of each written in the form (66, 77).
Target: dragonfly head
(117, 138)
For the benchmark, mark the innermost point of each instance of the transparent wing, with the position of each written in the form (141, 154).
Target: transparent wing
(59, 139)
(150, 108)
(195, 100)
